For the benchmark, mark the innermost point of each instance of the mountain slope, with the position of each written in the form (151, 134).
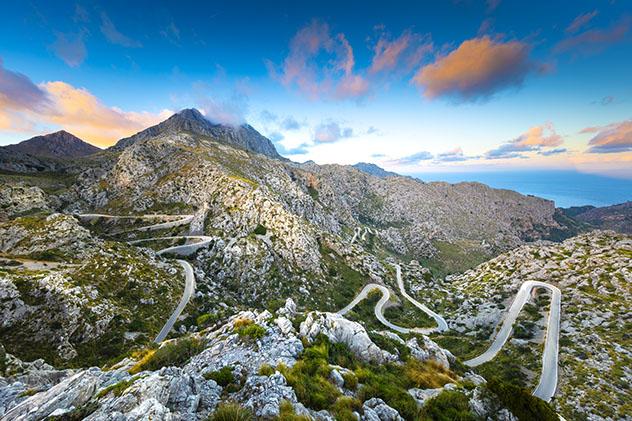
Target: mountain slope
(616, 217)
(191, 120)
(60, 144)
(373, 169)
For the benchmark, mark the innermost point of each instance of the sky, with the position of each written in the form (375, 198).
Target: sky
(445, 86)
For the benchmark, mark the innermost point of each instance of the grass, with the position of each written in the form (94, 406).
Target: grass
(231, 412)
(521, 403)
(117, 389)
(223, 377)
(288, 413)
(449, 405)
(174, 353)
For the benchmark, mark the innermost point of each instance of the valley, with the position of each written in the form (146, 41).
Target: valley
(190, 267)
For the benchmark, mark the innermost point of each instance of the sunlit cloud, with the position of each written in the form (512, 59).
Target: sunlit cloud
(453, 155)
(595, 40)
(25, 106)
(534, 139)
(320, 64)
(580, 21)
(405, 51)
(613, 138)
(551, 152)
(115, 36)
(478, 68)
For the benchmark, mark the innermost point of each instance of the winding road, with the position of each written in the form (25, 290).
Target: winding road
(200, 241)
(547, 385)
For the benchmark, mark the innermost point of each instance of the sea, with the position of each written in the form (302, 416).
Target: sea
(565, 188)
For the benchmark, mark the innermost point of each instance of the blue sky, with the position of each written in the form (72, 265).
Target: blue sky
(413, 86)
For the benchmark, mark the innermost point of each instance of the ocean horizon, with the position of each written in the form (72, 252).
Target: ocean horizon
(565, 188)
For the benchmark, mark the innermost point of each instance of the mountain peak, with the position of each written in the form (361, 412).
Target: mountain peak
(373, 169)
(191, 120)
(60, 144)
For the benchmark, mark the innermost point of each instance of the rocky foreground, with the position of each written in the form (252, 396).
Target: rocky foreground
(274, 366)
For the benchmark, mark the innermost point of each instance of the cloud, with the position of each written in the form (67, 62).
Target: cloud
(299, 150)
(492, 5)
(594, 40)
(454, 155)
(408, 48)
(580, 21)
(320, 64)
(114, 35)
(19, 93)
(70, 48)
(555, 151)
(25, 106)
(230, 112)
(613, 138)
(331, 131)
(172, 34)
(275, 136)
(478, 68)
(413, 159)
(607, 100)
(534, 139)
(80, 112)
(290, 123)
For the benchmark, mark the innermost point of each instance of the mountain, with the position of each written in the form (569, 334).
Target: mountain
(373, 169)
(60, 144)
(191, 120)
(615, 217)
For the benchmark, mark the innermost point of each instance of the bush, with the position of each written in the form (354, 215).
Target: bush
(231, 412)
(343, 408)
(449, 405)
(206, 320)
(222, 377)
(248, 328)
(351, 381)
(266, 370)
(427, 374)
(288, 413)
(390, 384)
(520, 402)
(260, 230)
(175, 353)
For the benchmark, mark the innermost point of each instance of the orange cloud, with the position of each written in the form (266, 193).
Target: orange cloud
(479, 67)
(534, 139)
(596, 39)
(613, 138)
(580, 21)
(80, 112)
(389, 53)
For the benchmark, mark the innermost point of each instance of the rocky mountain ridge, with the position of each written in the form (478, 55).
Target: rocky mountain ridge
(59, 144)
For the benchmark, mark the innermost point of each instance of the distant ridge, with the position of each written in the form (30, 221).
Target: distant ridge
(191, 120)
(373, 169)
(60, 144)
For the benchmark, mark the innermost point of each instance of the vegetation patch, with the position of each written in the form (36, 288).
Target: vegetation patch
(174, 353)
(231, 412)
(248, 329)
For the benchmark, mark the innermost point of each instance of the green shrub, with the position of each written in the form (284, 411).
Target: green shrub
(288, 413)
(389, 383)
(117, 389)
(266, 370)
(231, 412)
(174, 353)
(351, 381)
(28, 392)
(246, 328)
(222, 377)
(344, 407)
(520, 402)
(449, 405)
(260, 230)
(206, 320)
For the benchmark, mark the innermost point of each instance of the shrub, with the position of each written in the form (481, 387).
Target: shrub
(390, 345)
(222, 377)
(389, 383)
(206, 320)
(260, 230)
(231, 412)
(351, 381)
(449, 405)
(266, 370)
(174, 353)
(309, 379)
(343, 408)
(288, 413)
(248, 328)
(117, 389)
(520, 402)
(427, 374)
